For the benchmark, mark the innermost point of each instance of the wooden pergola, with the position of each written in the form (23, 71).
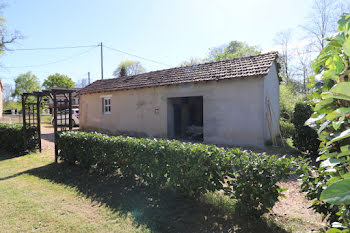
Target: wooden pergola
(31, 112)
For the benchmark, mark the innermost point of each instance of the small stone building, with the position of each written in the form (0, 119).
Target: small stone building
(221, 102)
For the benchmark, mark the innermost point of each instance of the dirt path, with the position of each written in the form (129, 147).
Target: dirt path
(47, 138)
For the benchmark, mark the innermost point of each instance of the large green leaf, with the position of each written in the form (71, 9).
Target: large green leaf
(346, 47)
(342, 135)
(337, 113)
(337, 193)
(342, 88)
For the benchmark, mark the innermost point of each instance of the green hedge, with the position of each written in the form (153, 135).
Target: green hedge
(11, 138)
(192, 169)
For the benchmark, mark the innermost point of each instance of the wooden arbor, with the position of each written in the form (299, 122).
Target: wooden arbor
(62, 101)
(61, 105)
(31, 105)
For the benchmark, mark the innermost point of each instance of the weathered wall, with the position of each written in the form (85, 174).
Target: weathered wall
(232, 110)
(271, 89)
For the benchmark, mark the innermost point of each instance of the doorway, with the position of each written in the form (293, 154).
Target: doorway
(185, 118)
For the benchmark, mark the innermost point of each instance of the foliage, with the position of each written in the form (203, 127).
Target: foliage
(127, 68)
(331, 117)
(26, 83)
(192, 169)
(11, 138)
(12, 105)
(254, 179)
(314, 181)
(305, 138)
(234, 49)
(287, 103)
(287, 128)
(58, 80)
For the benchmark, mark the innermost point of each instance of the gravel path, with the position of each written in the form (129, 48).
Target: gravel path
(47, 138)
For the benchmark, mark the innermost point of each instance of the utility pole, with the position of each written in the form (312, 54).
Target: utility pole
(89, 78)
(101, 61)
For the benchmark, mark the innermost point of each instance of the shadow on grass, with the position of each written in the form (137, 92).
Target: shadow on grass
(4, 155)
(159, 210)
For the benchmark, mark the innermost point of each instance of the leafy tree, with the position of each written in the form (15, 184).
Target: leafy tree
(58, 80)
(234, 49)
(331, 120)
(12, 105)
(26, 83)
(127, 68)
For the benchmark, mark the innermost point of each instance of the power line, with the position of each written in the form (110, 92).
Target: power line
(54, 48)
(50, 63)
(143, 58)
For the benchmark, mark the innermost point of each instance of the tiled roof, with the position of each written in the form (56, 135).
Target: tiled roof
(244, 67)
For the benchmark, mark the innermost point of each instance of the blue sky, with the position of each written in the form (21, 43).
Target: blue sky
(166, 31)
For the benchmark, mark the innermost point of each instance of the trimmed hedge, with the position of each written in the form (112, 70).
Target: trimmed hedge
(192, 169)
(11, 138)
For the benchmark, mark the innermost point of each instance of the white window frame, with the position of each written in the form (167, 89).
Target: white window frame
(106, 104)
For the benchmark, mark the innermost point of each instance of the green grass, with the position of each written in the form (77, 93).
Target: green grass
(36, 204)
(39, 195)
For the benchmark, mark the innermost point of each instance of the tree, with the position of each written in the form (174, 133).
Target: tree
(122, 71)
(127, 68)
(58, 80)
(304, 66)
(192, 61)
(26, 83)
(82, 83)
(322, 21)
(283, 39)
(6, 38)
(234, 49)
(7, 93)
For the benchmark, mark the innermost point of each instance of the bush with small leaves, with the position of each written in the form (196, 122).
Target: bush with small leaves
(190, 168)
(11, 138)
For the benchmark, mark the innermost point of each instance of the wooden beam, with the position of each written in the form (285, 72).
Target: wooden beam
(38, 100)
(55, 125)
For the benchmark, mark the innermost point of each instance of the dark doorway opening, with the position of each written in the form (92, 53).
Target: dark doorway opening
(185, 118)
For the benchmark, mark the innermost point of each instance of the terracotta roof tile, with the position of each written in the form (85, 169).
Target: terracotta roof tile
(253, 66)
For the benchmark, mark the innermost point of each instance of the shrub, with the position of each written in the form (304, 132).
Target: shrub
(11, 138)
(254, 180)
(287, 103)
(190, 168)
(287, 128)
(304, 138)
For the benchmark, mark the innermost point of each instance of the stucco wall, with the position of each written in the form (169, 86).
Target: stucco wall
(271, 89)
(233, 110)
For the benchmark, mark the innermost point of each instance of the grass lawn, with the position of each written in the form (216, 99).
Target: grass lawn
(38, 195)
